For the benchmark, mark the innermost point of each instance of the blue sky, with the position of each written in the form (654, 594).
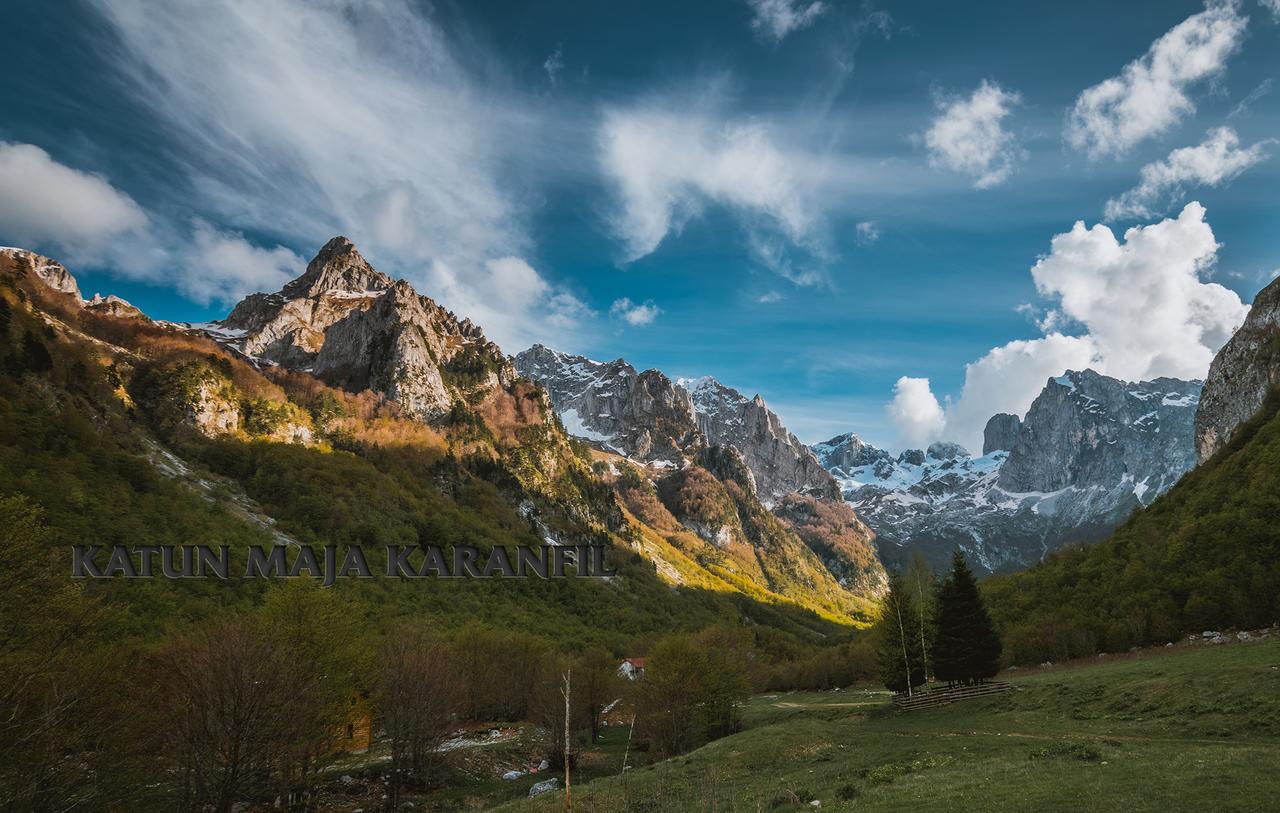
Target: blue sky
(825, 203)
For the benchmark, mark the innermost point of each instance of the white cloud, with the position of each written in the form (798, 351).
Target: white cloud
(1272, 6)
(915, 413)
(44, 203)
(1143, 300)
(769, 297)
(867, 232)
(666, 164)
(311, 119)
(1150, 94)
(1217, 160)
(84, 220)
(220, 266)
(1142, 306)
(508, 298)
(1008, 379)
(553, 65)
(968, 135)
(634, 314)
(775, 19)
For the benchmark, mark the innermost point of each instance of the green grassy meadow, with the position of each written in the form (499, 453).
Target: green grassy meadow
(1196, 728)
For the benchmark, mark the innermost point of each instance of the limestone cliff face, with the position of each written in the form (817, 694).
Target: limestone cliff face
(1242, 373)
(355, 328)
(642, 415)
(1001, 432)
(1085, 429)
(780, 463)
(51, 272)
(649, 417)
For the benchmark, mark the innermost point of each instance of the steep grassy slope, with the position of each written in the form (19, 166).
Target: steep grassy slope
(1195, 730)
(1205, 555)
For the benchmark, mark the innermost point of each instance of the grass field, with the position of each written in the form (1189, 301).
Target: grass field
(1194, 729)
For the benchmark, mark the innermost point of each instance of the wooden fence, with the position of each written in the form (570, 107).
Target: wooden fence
(941, 696)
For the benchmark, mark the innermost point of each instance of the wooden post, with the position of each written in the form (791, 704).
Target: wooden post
(568, 801)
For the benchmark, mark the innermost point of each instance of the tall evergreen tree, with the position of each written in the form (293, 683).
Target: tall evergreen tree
(966, 647)
(898, 637)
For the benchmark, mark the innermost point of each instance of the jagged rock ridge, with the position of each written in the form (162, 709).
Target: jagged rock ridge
(639, 415)
(597, 401)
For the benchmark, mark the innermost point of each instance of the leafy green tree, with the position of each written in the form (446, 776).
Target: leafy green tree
(921, 582)
(595, 677)
(897, 634)
(966, 647)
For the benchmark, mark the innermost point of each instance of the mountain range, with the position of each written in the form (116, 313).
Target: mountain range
(1090, 450)
(344, 358)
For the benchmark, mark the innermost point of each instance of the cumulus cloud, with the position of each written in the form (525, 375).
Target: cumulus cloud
(1215, 161)
(84, 220)
(634, 314)
(1151, 94)
(666, 164)
(305, 120)
(222, 266)
(1143, 309)
(1272, 6)
(773, 20)
(968, 135)
(915, 413)
(1008, 378)
(46, 203)
(1143, 300)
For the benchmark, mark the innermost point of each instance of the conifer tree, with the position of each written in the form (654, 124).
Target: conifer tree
(898, 636)
(966, 647)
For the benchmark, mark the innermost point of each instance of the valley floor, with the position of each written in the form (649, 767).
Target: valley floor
(1197, 728)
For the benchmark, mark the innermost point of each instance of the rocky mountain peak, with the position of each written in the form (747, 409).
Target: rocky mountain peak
(1001, 432)
(1086, 428)
(642, 415)
(848, 451)
(356, 328)
(1244, 371)
(946, 450)
(649, 417)
(337, 268)
(51, 272)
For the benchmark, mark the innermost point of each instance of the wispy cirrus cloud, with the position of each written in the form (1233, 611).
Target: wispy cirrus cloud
(1151, 94)
(304, 120)
(773, 20)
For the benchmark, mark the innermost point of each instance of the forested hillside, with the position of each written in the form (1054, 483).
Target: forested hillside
(1204, 556)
